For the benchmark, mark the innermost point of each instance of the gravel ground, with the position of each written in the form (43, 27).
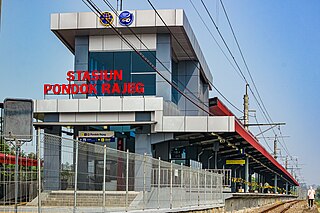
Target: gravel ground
(300, 207)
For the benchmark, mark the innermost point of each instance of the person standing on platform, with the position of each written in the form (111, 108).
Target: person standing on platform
(311, 194)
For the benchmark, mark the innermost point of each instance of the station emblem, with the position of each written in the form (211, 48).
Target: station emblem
(125, 18)
(106, 19)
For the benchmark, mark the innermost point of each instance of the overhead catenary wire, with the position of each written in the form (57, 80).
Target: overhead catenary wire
(231, 54)
(151, 52)
(141, 55)
(250, 75)
(162, 63)
(98, 12)
(173, 35)
(261, 108)
(265, 140)
(215, 40)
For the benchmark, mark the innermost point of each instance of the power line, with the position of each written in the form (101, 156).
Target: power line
(194, 7)
(231, 54)
(112, 8)
(262, 108)
(241, 73)
(224, 41)
(265, 140)
(151, 52)
(97, 11)
(246, 65)
(173, 35)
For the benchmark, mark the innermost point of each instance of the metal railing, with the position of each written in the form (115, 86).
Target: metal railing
(73, 175)
(226, 182)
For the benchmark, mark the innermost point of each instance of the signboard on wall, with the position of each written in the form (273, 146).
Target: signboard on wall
(96, 136)
(111, 83)
(235, 162)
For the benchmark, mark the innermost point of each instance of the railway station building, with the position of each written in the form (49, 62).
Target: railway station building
(153, 99)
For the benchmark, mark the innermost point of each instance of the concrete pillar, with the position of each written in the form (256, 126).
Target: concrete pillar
(287, 185)
(142, 146)
(163, 89)
(81, 59)
(52, 159)
(190, 82)
(246, 175)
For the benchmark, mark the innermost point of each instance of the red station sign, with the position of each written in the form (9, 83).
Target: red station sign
(110, 84)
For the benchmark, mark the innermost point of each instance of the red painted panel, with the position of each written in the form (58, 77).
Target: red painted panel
(22, 161)
(220, 109)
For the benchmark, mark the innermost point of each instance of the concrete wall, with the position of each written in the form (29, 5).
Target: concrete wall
(189, 81)
(240, 201)
(163, 89)
(52, 159)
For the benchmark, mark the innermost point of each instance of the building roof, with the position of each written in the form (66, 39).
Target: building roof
(251, 144)
(67, 26)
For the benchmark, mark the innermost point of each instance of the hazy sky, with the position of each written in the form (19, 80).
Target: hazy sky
(279, 39)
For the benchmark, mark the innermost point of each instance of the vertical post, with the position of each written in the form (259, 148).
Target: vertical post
(205, 185)
(16, 176)
(76, 176)
(246, 175)
(246, 108)
(211, 186)
(215, 160)
(287, 188)
(190, 176)
(198, 179)
(39, 168)
(144, 181)
(171, 174)
(159, 177)
(181, 185)
(235, 183)
(104, 174)
(26, 177)
(127, 180)
(275, 183)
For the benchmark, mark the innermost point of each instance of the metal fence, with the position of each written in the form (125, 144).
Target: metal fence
(82, 177)
(226, 181)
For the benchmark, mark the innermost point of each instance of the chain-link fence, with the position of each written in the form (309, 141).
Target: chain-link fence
(83, 177)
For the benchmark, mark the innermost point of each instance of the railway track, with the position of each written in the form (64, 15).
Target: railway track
(281, 207)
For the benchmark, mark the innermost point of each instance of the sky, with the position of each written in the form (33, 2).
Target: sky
(279, 40)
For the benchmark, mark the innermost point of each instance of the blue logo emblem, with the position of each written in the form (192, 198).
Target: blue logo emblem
(106, 19)
(125, 18)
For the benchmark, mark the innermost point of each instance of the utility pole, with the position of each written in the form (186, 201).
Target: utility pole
(119, 5)
(246, 108)
(286, 163)
(0, 12)
(275, 147)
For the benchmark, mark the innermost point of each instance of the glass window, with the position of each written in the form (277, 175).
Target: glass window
(127, 61)
(139, 65)
(175, 81)
(148, 80)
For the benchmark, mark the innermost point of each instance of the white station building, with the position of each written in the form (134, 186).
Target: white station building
(160, 122)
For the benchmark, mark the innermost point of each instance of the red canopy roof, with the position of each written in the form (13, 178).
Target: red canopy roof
(219, 109)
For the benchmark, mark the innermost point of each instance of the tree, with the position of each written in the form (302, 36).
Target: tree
(318, 193)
